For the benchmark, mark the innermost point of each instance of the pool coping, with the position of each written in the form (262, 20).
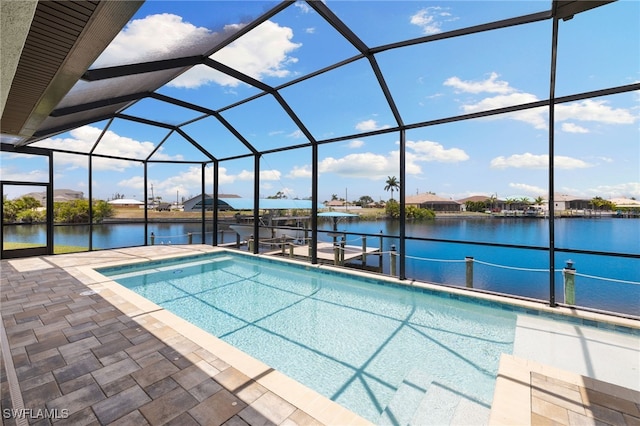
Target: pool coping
(132, 304)
(529, 392)
(304, 398)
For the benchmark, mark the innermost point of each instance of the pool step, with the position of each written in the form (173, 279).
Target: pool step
(407, 398)
(444, 406)
(420, 401)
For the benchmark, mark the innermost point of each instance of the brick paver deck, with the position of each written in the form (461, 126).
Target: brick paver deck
(83, 360)
(86, 353)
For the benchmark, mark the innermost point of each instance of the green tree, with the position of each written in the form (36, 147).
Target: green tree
(9, 210)
(26, 203)
(279, 195)
(476, 206)
(597, 202)
(364, 200)
(392, 184)
(419, 213)
(101, 211)
(74, 211)
(23, 209)
(31, 215)
(77, 211)
(392, 209)
(491, 201)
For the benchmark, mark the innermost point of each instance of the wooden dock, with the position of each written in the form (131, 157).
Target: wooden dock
(327, 252)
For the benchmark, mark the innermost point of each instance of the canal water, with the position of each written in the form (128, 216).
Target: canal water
(602, 282)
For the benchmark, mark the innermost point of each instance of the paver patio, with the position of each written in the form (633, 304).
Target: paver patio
(83, 353)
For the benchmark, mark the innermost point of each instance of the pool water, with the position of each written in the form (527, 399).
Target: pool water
(357, 342)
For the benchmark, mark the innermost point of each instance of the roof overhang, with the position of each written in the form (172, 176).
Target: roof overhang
(63, 40)
(566, 9)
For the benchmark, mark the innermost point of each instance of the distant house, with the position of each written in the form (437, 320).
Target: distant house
(433, 202)
(479, 199)
(571, 202)
(334, 203)
(195, 204)
(126, 202)
(626, 203)
(58, 195)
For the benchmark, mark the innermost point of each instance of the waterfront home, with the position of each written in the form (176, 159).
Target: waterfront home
(433, 202)
(194, 204)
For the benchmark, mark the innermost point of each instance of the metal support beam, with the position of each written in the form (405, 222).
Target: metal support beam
(552, 234)
(50, 204)
(90, 171)
(216, 189)
(402, 196)
(256, 203)
(140, 68)
(314, 204)
(146, 204)
(204, 207)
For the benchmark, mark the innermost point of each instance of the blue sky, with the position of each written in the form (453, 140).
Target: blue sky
(597, 140)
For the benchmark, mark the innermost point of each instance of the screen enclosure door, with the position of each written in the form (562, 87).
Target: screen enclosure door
(27, 210)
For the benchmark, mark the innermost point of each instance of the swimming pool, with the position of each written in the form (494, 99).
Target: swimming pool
(372, 347)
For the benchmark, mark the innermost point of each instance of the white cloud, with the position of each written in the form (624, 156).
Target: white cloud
(185, 183)
(433, 151)
(605, 159)
(135, 183)
(304, 7)
(369, 125)
(355, 144)
(536, 116)
(590, 110)
(263, 52)
(622, 190)
(296, 134)
(490, 85)
(375, 166)
(586, 110)
(430, 19)
(368, 165)
(300, 172)
(531, 161)
(151, 37)
(265, 175)
(270, 174)
(529, 189)
(82, 140)
(18, 174)
(573, 128)
(364, 165)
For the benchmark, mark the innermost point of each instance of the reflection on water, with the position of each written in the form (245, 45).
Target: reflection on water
(521, 272)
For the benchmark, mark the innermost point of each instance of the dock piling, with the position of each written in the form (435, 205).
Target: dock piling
(569, 274)
(392, 257)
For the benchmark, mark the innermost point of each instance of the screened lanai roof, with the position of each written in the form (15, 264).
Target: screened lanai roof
(119, 87)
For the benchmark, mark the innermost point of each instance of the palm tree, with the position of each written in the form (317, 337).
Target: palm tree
(491, 201)
(392, 185)
(509, 202)
(539, 201)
